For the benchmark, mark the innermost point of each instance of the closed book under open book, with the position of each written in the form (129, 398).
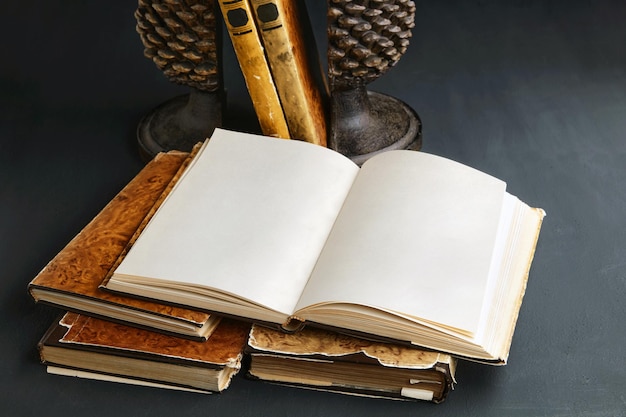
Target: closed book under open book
(411, 247)
(329, 361)
(87, 347)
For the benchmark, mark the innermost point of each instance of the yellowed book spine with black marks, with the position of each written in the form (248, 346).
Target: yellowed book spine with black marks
(290, 49)
(254, 66)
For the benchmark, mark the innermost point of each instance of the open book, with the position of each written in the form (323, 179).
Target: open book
(411, 247)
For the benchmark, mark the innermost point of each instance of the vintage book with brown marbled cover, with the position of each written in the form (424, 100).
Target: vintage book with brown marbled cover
(325, 360)
(79, 345)
(71, 279)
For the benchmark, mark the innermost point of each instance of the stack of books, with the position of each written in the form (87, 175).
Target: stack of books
(126, 339)
(371, 280)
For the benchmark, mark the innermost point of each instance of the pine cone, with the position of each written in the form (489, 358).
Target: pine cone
(366, 38)
(181, 37)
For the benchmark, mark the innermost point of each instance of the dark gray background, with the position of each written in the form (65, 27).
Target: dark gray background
(533, 92)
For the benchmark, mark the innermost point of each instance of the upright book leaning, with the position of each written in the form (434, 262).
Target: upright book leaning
(255, 68)
(411, 247)
(278, 57)
(290, 48)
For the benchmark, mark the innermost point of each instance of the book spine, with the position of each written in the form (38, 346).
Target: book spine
(248, 48)
(292, 54)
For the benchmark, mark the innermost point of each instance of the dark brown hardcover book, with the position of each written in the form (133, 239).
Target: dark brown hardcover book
(84, 346)
(324, 360)
(255, 68)
(72, 278)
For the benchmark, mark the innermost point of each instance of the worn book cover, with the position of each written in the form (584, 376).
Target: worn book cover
(320, 359)
(84, 346)
(290, 47)
(71, 279)
(255, 68)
